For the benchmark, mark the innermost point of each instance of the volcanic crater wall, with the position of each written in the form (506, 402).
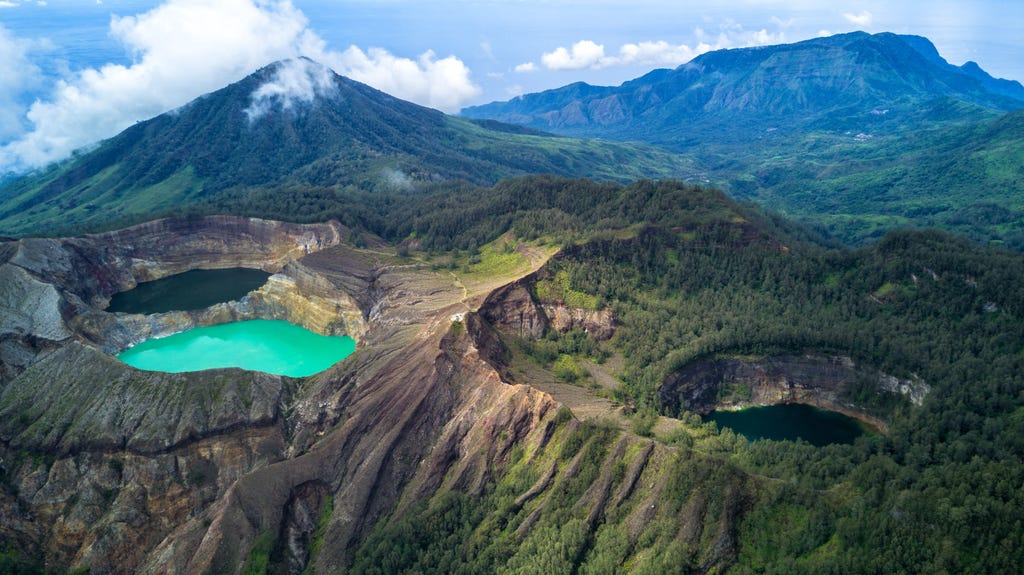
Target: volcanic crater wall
(818, 380)
(54, 290)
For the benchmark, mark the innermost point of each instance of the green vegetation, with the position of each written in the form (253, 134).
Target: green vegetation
(500, 533)
(855, 134)
(317, 542)
(258, 561)
(966, 179)
(14, 563)
(557, 289)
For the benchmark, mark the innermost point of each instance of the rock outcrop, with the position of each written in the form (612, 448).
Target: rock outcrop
(600, 323)
(513, 310)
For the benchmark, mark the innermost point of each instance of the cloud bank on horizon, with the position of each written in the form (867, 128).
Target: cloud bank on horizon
(587, 54)
(185, 48)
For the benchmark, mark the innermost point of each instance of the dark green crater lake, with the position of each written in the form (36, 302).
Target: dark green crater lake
(269, 346)
(790, 421)
(191, 290)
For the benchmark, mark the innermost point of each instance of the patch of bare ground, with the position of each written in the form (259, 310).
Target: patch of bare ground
(583, 400)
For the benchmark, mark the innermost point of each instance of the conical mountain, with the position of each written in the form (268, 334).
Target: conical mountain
(294, 124)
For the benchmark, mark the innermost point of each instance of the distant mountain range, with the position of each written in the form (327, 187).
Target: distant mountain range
(331, 132)
(854, 133)
(851, 81)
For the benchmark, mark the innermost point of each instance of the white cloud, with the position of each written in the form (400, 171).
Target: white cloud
(526, 68)
(185, 48)
(583, 54)
(589, 54)
(782, 23)
(862, 19)
(488, 50)
(7, 4)
(440, 83)
(17, 75)
(659, 53)
(295, 81)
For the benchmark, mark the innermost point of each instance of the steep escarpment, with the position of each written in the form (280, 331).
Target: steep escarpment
(515, 310)
(95, 266)
(828, 382)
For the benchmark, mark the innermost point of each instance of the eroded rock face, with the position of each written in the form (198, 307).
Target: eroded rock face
(127, 471)
(514, 311)
(822, 381)
(600, 324)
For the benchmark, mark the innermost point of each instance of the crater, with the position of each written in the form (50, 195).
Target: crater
(172, 276)
(833, 383)
(188, 291)
(790, 421)
(271, 346)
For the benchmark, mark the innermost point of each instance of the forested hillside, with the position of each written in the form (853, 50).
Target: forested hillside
(691, 275)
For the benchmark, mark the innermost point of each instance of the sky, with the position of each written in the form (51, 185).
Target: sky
(73, 72)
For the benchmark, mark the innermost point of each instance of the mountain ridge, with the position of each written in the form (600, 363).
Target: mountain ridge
(297, 122)
(833, 131)
(812, 77)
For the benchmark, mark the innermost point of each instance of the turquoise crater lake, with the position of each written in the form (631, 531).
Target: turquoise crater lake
(269, 346)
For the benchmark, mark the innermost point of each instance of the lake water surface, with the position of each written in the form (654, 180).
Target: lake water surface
(191, 290)
(790, 421)
(269, 346)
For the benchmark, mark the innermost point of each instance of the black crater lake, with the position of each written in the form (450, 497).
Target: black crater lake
(191, 290)
(270, 346)
(790, 421)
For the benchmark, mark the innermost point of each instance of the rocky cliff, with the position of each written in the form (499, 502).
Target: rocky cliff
(514, 310)
(52, 291)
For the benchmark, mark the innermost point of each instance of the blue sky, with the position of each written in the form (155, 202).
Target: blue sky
(76, 71)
